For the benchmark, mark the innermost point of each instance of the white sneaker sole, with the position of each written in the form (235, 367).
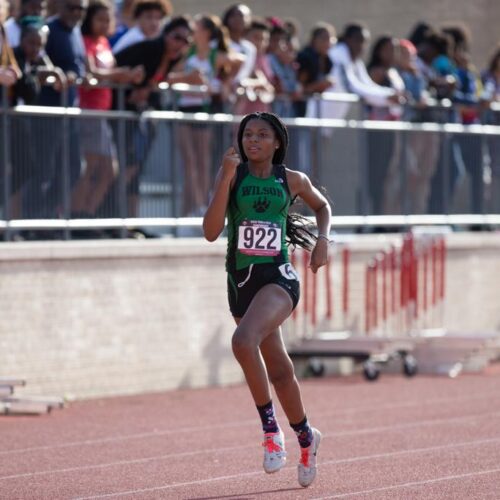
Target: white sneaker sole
(275, 469)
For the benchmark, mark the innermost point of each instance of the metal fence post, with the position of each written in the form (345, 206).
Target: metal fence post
(363, 172)
(403, 167)
(316, 166)
(485, 173)
(447, 157)
(122, 162)
(65, 178)
(175, 177)
(173, 159)
(7, 167)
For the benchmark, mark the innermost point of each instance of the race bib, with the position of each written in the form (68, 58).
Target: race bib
(259, 238)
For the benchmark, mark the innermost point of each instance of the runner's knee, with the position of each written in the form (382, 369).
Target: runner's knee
(243, 342)
(281, 376)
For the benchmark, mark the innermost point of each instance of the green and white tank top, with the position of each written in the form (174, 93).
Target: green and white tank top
(257, 214)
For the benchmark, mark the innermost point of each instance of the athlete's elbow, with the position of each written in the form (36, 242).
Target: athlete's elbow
(325, 208)
(210, 234)
(210, 237)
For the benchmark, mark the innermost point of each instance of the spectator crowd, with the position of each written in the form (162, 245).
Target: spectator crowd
(74, 53)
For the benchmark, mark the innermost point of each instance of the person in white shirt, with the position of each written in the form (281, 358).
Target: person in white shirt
(13, 26)
(149, 16)
(349, 74)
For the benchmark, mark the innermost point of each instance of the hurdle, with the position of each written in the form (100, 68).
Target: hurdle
(403, 312)
(11, 404)
(336, 332)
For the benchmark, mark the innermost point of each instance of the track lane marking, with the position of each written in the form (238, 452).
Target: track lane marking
(369, 430)
(293, 468)
(244, 423)
(411, 484)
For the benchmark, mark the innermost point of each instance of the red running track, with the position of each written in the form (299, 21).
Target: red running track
(422, 438)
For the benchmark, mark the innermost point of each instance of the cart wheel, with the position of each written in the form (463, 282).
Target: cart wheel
(410, 366)
(316, 367)
(371, 371)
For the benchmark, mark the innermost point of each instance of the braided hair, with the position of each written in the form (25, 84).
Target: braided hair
(298, 228)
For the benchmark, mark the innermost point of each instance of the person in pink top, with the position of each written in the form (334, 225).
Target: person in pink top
(96, 136)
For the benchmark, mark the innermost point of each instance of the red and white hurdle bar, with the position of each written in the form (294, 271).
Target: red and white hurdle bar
(405, 290)
(306, 317)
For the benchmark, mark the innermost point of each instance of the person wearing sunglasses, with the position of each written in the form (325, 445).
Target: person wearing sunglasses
(158, 56)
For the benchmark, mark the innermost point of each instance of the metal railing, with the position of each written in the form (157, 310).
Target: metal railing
(164, 163)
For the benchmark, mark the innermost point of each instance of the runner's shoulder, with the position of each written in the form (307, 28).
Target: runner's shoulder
(296, 180)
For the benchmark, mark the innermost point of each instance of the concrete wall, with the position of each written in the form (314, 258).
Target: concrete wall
(119, 317)
(381, 16)
(106, 318)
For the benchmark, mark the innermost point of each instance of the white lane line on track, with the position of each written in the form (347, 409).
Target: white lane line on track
(411, 484)
(397, 427)
(243, 423)
(293, 468)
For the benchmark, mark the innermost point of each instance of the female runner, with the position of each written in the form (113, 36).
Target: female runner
(255, 190)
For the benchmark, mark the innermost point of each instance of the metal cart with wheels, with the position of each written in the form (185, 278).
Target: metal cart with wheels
(372, 353)
(383, 285)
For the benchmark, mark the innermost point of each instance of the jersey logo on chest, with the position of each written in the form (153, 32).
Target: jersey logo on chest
(260, 205)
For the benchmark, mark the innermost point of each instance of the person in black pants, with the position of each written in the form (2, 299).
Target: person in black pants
(65, 49)
(158, 57)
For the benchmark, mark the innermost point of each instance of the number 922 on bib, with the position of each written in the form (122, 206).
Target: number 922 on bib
(259, 238)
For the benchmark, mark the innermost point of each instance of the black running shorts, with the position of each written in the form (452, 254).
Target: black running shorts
(244, 284)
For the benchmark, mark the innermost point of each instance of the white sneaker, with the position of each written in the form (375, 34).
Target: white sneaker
(307, 464)
(274, 451)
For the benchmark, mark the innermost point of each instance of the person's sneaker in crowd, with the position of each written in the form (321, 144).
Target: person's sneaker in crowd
(145, 233)
(307, 464)
(274, 451)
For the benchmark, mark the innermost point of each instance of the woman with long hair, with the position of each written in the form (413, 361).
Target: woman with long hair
(158, 56)
(255, 190)
(97, 138)
(491, 83)
(210, 57)
(385, 147)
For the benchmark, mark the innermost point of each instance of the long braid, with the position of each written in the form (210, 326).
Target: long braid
(298, 228)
